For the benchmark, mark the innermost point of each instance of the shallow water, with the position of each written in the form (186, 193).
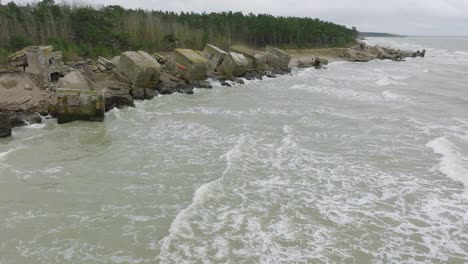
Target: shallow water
(360, 163)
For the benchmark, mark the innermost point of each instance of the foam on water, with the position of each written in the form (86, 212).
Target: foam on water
(453, 163)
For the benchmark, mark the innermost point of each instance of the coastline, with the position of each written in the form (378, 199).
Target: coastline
(85, 90)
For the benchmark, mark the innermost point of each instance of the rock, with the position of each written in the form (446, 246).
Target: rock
(234, 64)
(73, 80)
(319, 63)
(420, 54)
(142, 70)
(224, 83)
(169, 84)
(20, 119)
(270, 75)
(150, 93)
(191, 64)
(160, 58)
(202, 84)
(362, 45)
(5, 127)
(214, 55)
(116, 61)
(75, 105)
(278, 58)
(116, 94)
(105, 64)
(240, 81)
(253, 75)
(257, 61)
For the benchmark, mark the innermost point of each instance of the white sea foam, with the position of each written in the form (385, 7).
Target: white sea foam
(385, 81)
(180, 226)
(3, 155)
(453, 163)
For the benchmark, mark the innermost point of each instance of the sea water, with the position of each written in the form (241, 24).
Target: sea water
(359, 163)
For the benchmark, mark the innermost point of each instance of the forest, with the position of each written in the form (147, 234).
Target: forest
(83, 31)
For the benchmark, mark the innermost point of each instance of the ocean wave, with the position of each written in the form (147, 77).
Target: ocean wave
(385, 81)
(180, 226)
(453, 164)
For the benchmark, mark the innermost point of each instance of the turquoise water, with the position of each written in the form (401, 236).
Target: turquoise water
(360, 163)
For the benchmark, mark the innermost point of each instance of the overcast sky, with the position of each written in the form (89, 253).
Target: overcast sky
(408, 17)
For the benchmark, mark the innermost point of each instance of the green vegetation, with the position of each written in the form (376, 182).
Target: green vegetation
(378, 35)
(88, 32)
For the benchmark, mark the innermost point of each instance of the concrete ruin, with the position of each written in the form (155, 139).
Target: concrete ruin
(74, 80)
(278, 58)
(234, 65)
(140, 68)
(142, 71)
(194, 66)
(257, 60)
(74, 104)
(214, 55)
(41, 61)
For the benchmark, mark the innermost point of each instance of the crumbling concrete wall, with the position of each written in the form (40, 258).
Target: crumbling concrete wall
(73, 104)
(194, 66)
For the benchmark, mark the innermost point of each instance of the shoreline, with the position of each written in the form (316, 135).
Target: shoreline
(31, 91)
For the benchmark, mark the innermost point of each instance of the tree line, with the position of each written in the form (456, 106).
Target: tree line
(86, 31)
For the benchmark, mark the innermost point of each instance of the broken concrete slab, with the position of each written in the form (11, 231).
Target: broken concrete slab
(234, 65)
(86, 105)
(257, 60)
(106, 64)
(73, 80)
(140, 68)
(191, 64)
(278, 58)
(214, 56)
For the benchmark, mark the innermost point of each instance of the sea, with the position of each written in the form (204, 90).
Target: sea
(357, 163)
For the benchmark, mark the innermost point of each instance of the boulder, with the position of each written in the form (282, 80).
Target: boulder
(75, 105)
(319, 63)
(116, 61)
(214, 56)
(191, 64)
(278, 58)
(139, 68)
(73, 80)
(5, 127)
(202, 84)
(234, 64)
(20, 119)
(116, 94)
(169, 84)
(257, 61)
(106, 64)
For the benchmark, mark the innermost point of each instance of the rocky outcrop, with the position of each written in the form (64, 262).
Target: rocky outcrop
(191, 64)
(278, 58)
(83, 105)
(214, 55)
(5, 127)
(234, 65)
(365, 53)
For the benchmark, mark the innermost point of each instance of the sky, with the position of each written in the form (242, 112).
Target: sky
(406, 17)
